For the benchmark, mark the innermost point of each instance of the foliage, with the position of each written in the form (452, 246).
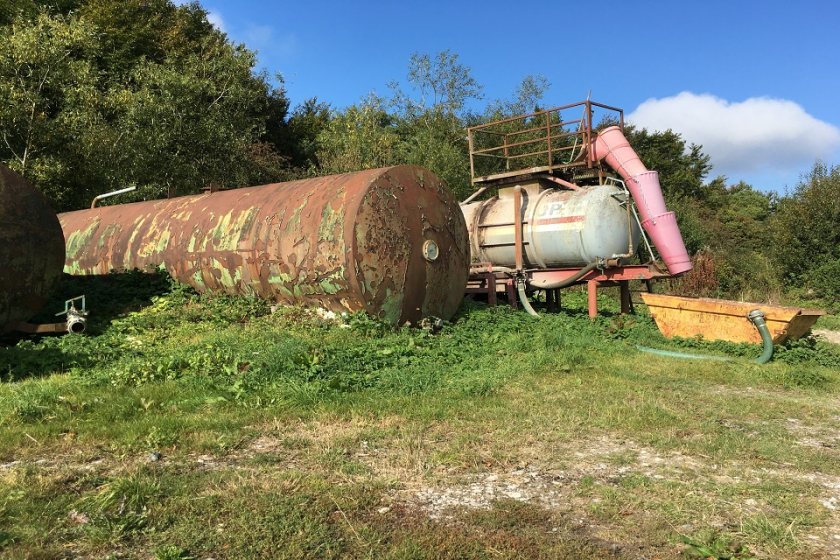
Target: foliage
(824, 279)
(98, 95)
(361, 137)
(681, 168)
(443, 84)
(300, 144)
(237, 342)
(134, 93)
(423, 123)
(47, 89)
(805, 226)
(526, 99)
(728, 231)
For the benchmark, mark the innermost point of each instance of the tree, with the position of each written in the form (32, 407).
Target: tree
(526, 99)
(184, 124)
(806, 229)
(300, 139)
(441, 84)
(140, 92)
(361, 137)
(430, 120)
(132, 32)
(47, 88)
(681, 168)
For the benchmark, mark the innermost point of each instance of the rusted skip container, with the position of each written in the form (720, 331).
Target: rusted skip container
(389, 241)
(719, 319)
(31, 250)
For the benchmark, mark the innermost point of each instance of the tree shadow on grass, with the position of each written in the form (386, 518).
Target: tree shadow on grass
(108, 297)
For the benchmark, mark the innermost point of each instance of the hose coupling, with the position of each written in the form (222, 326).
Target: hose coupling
(756, 315)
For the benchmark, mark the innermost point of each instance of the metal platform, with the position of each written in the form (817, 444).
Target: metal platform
(548, 142)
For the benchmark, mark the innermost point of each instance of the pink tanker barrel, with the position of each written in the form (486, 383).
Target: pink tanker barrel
(661, 225)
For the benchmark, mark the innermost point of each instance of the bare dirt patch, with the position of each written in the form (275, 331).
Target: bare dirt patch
(825, 334)
(572, 479)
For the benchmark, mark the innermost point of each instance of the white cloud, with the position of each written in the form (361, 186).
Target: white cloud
(263, 39)
(215, 19)
(759, 133)
(258, 34)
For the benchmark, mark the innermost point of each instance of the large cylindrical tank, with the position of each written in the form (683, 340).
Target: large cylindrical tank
(560, 228)
(31, 249)
(389, 241)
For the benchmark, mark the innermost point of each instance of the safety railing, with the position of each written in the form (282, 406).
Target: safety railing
(540, 142)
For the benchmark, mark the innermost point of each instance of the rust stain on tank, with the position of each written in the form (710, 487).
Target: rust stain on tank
(346, 242)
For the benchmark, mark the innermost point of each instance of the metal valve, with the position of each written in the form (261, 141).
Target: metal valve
(76, 317)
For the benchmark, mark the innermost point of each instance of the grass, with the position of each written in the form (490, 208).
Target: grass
(285, 435)
(830, 322)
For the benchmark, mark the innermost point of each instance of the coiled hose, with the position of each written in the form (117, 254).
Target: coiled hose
(756, 316)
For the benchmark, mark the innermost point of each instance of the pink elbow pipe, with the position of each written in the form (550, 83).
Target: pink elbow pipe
(661, 225)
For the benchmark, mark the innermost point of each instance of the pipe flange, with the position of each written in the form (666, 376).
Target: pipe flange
(431, 251)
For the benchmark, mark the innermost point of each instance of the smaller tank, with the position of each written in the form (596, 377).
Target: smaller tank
(31, 250)
(560, 228)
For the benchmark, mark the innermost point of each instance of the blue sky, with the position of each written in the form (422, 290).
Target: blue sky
(756, 82)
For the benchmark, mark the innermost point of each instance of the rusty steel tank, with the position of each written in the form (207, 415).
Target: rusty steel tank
(31, 250)
(391, 242)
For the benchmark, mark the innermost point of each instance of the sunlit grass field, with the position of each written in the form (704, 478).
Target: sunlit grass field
(186, 426)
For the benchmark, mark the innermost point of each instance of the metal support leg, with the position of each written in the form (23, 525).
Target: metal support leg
(624, 287)
(550, 300)
(490, 279)
(510, 285)
(592, 297)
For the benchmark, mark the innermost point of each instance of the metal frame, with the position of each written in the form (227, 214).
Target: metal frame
(492, 283)
(547, 145)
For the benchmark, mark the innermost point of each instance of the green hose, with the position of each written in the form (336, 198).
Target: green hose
(755, 316)
(683, 355)
(523, 298)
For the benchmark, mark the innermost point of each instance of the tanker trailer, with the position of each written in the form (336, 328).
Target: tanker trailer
(32, 253)
(571, 207)
(560, 228)
(391, 242)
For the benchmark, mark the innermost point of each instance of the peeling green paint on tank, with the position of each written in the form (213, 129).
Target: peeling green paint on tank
(110, 229)
(80, 239)
(392, 306)
(163, 242)
(192, 242)
(294, 222)
(346, 243)
(231, 229)
(331, 222)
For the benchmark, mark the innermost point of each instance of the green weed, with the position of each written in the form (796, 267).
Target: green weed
(170, 371)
